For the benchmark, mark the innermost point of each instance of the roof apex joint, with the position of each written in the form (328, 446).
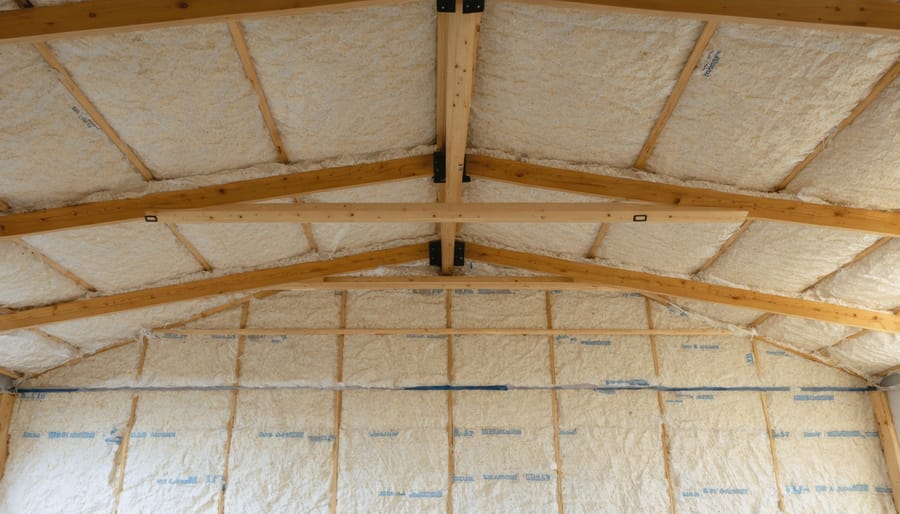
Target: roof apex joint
(440, 169)
(434, 253)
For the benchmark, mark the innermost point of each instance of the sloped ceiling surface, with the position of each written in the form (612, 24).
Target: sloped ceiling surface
(578, 88)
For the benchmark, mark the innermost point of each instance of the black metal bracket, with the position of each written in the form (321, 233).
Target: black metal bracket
(469, 6)
(440, 169)
(150, 218)
(446, 5)
(434, 253)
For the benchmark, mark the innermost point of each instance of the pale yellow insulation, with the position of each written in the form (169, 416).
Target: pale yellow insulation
(762, 97)
(25, 280)
(178, 96)
(29, 352)
(871, 149)
(44, 130)
(870, 353)
(573, 84)
(349, 81)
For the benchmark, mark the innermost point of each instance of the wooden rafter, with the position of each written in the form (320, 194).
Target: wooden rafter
(281, 186)
(240, 43)
(59, 268)
(7, 401)
(245, 281)
(4, 207)
(598, 240)
(459, 58)
(884, 82)
(724, 248)
(189, 246)
(680, 85)
(66, 79)
(691, 289)
(109, 16)
(759, 208)
(530, 212)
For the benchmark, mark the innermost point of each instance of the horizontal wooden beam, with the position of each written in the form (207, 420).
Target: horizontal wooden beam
(683, 288)
(110, 16)
(249, 280)
(448, 212)
(446, 331)
(281, 186)
(543, 283)
(759, 208)
(878, 16)
(96, 17)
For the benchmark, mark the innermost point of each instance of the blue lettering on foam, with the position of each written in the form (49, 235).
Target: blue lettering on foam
(32, 396)
(384, 434)
(814, 397)
(812, 434)
(31, 435)
(391, 493)
(537, 477)
(855, 488)
(82, 435)
(598, 342)
(224, 336)
(426, 494)
(463, 432)
(781, 434)
(463, 478)
(324, 438)
(631, 382)
(796, 489)
(290, 435)
(748, 358)
(501, 477)
(872, 434)
(162, 435)
(780, 353)
(138, 435)
(501, 431)
(724, 490)
(169, 335)
(56, 435)
(882, 489)
(690, 494)
(844, 433)
(264, 434)
(574, 431)
(705, 397)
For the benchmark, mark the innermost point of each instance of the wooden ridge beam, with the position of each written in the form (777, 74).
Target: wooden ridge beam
(878, 16)
(531, 212)
(884, 223)
(691, 289)
(459, 56)
(117, 211)
(97, 17)
(245, 281)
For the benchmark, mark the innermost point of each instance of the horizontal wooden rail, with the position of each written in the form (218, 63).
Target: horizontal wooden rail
(444, 331)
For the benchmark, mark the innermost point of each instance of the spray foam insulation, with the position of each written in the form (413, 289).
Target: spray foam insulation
(350, 81)
(786, 258)
(117, 257)
(720, 312)
(178, 96)
(31, 352)
(871, 148)
(43, 128)
(335, 237)
(176, 461)
(498, 308)
(665, 247)
(26, 281)
(393, 454)
(585, 106)
(816, 433)
(598, 476)
(281, 447)
(420, 308)
(873, 281)
(601, 360)
(697, 361)
(869, 353)
(805, 334)
(574, 239)
(244, 245)
(116, 367)
(763, 97)
(93, 333)
(780, 368)
(721, 459)
(190, 360)
(395, 360)
(63, 449)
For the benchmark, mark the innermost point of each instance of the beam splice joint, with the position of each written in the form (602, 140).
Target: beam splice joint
(434, 253)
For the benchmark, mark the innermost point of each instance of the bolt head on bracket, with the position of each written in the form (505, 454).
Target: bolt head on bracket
(440, 169)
